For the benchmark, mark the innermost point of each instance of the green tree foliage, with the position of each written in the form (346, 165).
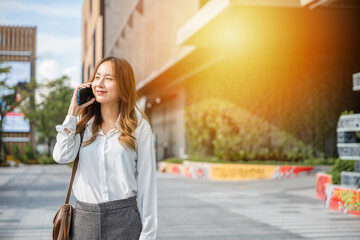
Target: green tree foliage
(51, 110)
(28, 154)
(7, 104)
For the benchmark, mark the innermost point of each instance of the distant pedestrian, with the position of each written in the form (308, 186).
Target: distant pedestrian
(115, 184)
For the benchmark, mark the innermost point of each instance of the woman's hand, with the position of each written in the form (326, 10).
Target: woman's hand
(74, 107)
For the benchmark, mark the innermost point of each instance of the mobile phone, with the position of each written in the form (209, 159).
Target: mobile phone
(84, 95)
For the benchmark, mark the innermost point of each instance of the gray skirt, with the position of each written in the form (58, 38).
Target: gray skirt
(118, 219)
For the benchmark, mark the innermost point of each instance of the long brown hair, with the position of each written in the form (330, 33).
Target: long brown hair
(128, 96)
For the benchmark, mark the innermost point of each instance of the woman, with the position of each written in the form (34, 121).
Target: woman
(115, 184)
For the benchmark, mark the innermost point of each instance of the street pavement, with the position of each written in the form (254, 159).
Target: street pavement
(188, 209)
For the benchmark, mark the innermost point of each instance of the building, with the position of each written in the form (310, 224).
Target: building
(92, 36)
(184, 51)
(18, 50)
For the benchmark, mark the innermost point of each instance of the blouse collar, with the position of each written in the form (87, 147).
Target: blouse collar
(138, 115)
(89, 123)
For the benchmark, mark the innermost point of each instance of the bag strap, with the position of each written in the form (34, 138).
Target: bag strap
(74, 168)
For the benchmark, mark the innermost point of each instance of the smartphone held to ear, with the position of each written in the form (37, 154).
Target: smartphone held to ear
(84, 95)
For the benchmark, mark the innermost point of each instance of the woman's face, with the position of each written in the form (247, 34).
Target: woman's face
(103, 85)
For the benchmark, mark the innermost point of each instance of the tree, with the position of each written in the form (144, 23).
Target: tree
(7, 104)
(51, 110)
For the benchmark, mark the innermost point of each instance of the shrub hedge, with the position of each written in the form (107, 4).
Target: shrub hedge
(219, 128)
(340, 166)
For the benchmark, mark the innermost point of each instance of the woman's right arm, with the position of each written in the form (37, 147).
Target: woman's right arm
(67, 143)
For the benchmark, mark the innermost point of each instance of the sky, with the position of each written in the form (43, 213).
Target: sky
(58, 24)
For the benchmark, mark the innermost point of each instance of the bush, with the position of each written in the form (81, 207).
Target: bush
(46, 160)
(338, 167)
(30, 161)
(28, 157)
(28, 152)
(221, 129)
(320, 161)
(174, 160)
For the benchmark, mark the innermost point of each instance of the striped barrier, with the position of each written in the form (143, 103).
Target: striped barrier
(228, 171)
(322, 179)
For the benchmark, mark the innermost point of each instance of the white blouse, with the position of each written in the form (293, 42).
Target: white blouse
(107, 171)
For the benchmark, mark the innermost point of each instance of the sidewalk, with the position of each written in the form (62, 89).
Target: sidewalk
(188, 209)
(29, 199)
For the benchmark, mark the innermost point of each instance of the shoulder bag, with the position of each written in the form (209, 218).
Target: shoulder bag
(62, 218)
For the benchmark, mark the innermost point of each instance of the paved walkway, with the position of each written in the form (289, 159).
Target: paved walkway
(188, 209)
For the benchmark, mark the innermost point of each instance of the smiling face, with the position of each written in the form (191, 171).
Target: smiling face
(103, 85)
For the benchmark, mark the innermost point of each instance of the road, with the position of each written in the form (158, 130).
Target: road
(188, 209)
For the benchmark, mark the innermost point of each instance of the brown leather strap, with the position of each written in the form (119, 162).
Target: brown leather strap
(74, 168)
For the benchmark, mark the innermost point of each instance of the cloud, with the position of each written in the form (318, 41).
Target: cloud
(38, 9)
(55, 45)
(48, 69)
(74, 73)
(59, 55)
